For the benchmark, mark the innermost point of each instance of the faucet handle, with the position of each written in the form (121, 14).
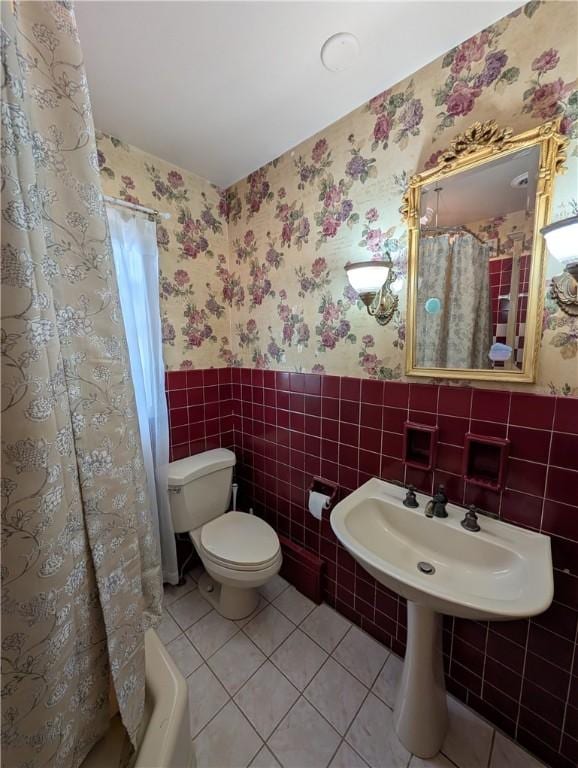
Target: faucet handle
(410, 498)
(470, 521)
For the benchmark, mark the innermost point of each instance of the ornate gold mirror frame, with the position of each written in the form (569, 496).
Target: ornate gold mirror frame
(481, 143)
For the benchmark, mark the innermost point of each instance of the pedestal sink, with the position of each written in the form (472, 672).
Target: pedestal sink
(501, 572)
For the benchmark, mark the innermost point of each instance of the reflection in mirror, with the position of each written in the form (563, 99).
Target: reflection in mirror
(475, 250)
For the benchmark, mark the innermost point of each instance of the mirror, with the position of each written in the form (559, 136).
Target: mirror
(476, 255)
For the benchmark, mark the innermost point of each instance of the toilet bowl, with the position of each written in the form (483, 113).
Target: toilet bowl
(240, 552)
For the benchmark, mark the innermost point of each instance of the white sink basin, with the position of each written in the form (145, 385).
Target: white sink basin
(500, 572)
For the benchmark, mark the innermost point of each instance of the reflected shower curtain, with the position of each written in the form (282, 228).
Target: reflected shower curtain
(81, 574)
(136, 258)
(454, 269)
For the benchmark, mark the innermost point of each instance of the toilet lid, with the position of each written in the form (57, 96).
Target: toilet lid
(239, 538)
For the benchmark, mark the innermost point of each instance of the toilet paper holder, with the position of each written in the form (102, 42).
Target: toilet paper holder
(321, 485)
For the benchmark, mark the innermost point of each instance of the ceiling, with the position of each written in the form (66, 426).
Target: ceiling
(221, 88)
(485, 191)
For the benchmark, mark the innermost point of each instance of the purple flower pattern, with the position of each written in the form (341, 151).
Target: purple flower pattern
(474, 66)
(398, 112)
(317, 278)
(172, 190)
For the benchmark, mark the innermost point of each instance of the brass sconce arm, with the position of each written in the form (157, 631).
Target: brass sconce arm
(383, 304)
(562, 241)
(565, 291)
(365, 278)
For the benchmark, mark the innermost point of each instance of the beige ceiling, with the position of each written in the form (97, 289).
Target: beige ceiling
(220, 88)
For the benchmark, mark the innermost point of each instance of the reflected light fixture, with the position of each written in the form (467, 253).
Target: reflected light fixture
(562, 241)
(372, 280)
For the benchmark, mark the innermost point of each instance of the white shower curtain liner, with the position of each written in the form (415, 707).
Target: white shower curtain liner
(136, 259)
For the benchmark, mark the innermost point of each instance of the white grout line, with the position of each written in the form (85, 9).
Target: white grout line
(573, 667)
(523, 674)
(369, 689)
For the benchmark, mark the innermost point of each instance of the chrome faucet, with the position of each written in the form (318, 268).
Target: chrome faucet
(436, 507)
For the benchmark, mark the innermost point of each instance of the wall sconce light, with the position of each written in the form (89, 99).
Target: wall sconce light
(372, 280)
(562, 241)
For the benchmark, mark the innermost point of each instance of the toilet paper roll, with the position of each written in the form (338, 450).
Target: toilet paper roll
(317, 503)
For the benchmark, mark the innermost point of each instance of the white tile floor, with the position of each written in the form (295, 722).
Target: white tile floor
(297, 686)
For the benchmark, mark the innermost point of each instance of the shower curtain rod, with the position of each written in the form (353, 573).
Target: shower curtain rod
(456, 230)
(135, 207)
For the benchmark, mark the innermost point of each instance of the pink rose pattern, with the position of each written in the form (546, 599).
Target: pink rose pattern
(400, 113)
(194, 237)
(309, 172)
(179, 285)
(212, 304)
(318, 278)
(229, 358)
(232, 291)
(247, 334)
(230, 206)
(125, 192)
(288, 243)
(172, 189)
(196, 329)
(549, 96)
(475, 66)
(333, 326)
(258, 192)
(378, 242)
(372, 365)
(296, 227)
(260, 285)
(295, 329)
(246, 247)
(163, 238)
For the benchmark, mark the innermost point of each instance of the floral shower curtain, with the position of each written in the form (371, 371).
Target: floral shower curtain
(80, 566)
(456, 330)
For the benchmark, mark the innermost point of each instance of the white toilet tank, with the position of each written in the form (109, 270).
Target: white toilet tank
(200, 488)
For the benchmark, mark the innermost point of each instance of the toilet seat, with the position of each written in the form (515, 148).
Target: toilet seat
(240, 541)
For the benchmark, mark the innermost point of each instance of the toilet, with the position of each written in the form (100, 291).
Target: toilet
(240, 552)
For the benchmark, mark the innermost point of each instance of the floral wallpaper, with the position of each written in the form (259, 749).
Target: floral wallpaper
(498, 232)
(195, 287)
(255, 277)
(296, 222)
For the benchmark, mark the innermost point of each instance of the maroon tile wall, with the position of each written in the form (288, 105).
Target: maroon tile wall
(287, 427)
(200, 411)
(500, 282)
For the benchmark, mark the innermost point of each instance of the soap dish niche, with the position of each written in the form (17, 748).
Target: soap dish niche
(419, 445)
(485, 460)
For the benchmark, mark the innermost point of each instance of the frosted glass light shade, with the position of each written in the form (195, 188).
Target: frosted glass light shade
(367, 276)
(562, 240)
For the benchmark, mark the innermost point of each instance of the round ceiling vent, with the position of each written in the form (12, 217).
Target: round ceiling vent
(339, 51)
(520, 181)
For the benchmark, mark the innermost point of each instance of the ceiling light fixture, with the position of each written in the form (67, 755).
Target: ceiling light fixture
(339, 51)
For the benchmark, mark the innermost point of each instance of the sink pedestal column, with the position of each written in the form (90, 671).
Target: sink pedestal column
(421, 710)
